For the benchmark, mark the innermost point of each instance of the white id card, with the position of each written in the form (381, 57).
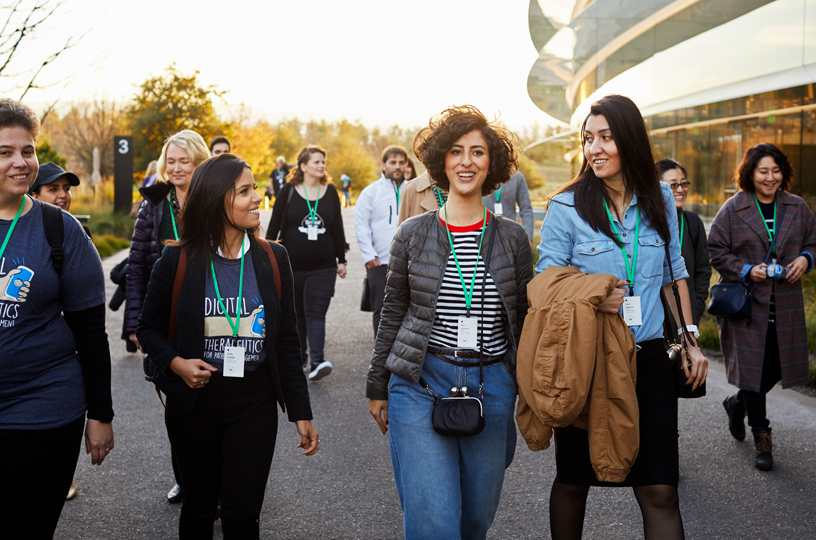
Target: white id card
(234, 361)
(631, 311)
(466, 336)
(311, 232)
(497, 209)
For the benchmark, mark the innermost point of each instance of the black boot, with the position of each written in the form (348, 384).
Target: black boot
(736, 416)
(764, 447)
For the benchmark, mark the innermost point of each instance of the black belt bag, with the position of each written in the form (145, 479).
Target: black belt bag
(463, 415)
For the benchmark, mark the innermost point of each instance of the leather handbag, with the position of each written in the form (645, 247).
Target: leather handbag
(733, 300)
(463, 416)
(678, 352)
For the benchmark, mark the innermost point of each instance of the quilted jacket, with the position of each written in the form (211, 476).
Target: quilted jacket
(145, 250)
(419, 255)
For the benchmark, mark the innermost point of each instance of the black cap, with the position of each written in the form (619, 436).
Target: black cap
(50, 172)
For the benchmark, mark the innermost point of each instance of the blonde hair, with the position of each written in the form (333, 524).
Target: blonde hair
(151, 169)
(189, 141)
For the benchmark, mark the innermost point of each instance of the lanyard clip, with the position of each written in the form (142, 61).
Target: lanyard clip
(631, 289)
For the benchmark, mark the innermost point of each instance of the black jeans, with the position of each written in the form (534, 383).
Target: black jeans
(36, 468)
(313, 293)
(771, 374)
(376, 283)
(224, 447)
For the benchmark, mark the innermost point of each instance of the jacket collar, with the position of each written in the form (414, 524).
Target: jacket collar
(156, 192)
(750, 214)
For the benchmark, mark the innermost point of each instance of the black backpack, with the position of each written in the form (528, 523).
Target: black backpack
(54, 233)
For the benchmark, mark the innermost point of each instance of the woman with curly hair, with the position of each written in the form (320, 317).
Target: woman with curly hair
(455, 299)
(773, 345)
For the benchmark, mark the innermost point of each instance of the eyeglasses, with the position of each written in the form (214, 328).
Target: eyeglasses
(684, 185)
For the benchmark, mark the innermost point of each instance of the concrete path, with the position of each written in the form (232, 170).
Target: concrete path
(347, 490)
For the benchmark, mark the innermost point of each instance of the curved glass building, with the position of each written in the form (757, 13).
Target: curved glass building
(711, 77)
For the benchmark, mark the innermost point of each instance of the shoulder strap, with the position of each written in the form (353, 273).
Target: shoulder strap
(290, 190)
(275, 268)
(55, 233)
(181, 269)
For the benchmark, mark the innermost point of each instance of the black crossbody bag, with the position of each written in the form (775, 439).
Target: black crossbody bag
(463, 416)
(733, 300)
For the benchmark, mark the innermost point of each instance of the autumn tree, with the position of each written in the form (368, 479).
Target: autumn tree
(167, 104)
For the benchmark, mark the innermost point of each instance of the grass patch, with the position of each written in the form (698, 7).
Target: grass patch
(107, 244)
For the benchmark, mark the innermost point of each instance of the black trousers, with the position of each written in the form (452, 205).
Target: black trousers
(224, 447)
(36, 468)
(376, 283)
(314, 290)
(771, 374)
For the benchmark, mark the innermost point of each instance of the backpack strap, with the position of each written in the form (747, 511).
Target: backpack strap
(275, 268)
(54, 233)
(181, 269)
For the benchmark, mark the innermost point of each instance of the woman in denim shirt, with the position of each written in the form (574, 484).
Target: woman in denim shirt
(617, 205)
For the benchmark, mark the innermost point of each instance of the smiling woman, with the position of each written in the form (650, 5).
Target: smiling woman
(235, 327)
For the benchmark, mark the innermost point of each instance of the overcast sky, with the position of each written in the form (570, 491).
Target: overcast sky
(382, 62)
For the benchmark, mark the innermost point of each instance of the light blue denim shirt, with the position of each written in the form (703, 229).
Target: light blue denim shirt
(567, 240)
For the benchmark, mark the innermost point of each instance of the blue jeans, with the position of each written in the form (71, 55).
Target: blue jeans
(449, 487)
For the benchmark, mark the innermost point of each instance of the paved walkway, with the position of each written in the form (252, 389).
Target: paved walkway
(347, 490)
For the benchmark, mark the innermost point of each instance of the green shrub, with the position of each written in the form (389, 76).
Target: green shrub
(110, 223)
(107, 244)
(709, 332)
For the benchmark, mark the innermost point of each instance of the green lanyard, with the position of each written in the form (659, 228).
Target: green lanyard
(771, 237)
(468, 293)
(234, 325)
(681, 230)
(11, 229)
(312, 213)
(438, 196)
(172, 217)
(396, 190)
(498, 193)
(630, 269)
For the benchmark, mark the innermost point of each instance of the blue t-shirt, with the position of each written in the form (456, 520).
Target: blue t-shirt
(42, 386)
(252, 326)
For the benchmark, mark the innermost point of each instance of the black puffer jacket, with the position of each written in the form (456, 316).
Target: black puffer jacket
(419, 254)
(145, 250)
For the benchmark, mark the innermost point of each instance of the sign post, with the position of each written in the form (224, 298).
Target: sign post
(122, 173)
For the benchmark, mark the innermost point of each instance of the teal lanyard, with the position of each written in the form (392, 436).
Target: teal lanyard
(11, 229)
(498, 194)
(630, 269)
(468, 293)
(438, 196)
(681, 230)
(233, 325)
(172, 217)
(396, 190)
(312, 213)
(771, 236)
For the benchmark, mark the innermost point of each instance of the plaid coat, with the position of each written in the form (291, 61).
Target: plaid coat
(737, 238)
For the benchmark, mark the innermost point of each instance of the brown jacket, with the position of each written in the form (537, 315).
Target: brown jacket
(417, 197)
(576, 366)
(737, 238)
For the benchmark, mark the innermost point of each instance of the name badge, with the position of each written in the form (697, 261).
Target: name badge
(466, 336)
(234, 361)
(311, 232)
(497, 209)
(631, 311)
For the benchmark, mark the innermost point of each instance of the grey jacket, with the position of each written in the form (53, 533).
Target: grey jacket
(419, 255)
(513, 192)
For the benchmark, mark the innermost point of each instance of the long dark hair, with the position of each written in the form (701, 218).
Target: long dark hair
(637, 165)
(205, 213)
(744, 179)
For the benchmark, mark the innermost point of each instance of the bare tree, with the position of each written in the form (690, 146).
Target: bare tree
(23, 23)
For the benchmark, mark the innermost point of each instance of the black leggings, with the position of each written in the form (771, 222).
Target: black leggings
(313, 293)
(771, 374)
(36, 468)
(224, 447)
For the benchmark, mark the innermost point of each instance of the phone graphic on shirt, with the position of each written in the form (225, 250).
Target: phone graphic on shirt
(18, 280)
(258, 322)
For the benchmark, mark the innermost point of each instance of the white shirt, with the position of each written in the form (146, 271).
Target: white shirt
(375, 219)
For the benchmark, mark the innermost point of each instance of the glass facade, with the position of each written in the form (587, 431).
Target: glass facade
(709, 77)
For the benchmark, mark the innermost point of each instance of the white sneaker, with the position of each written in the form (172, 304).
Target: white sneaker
(320, 371)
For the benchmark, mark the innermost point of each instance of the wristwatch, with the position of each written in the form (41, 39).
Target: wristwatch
(692, 329)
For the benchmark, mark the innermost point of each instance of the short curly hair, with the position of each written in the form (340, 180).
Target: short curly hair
(432, 144)
(750, 161)
(17, 114)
